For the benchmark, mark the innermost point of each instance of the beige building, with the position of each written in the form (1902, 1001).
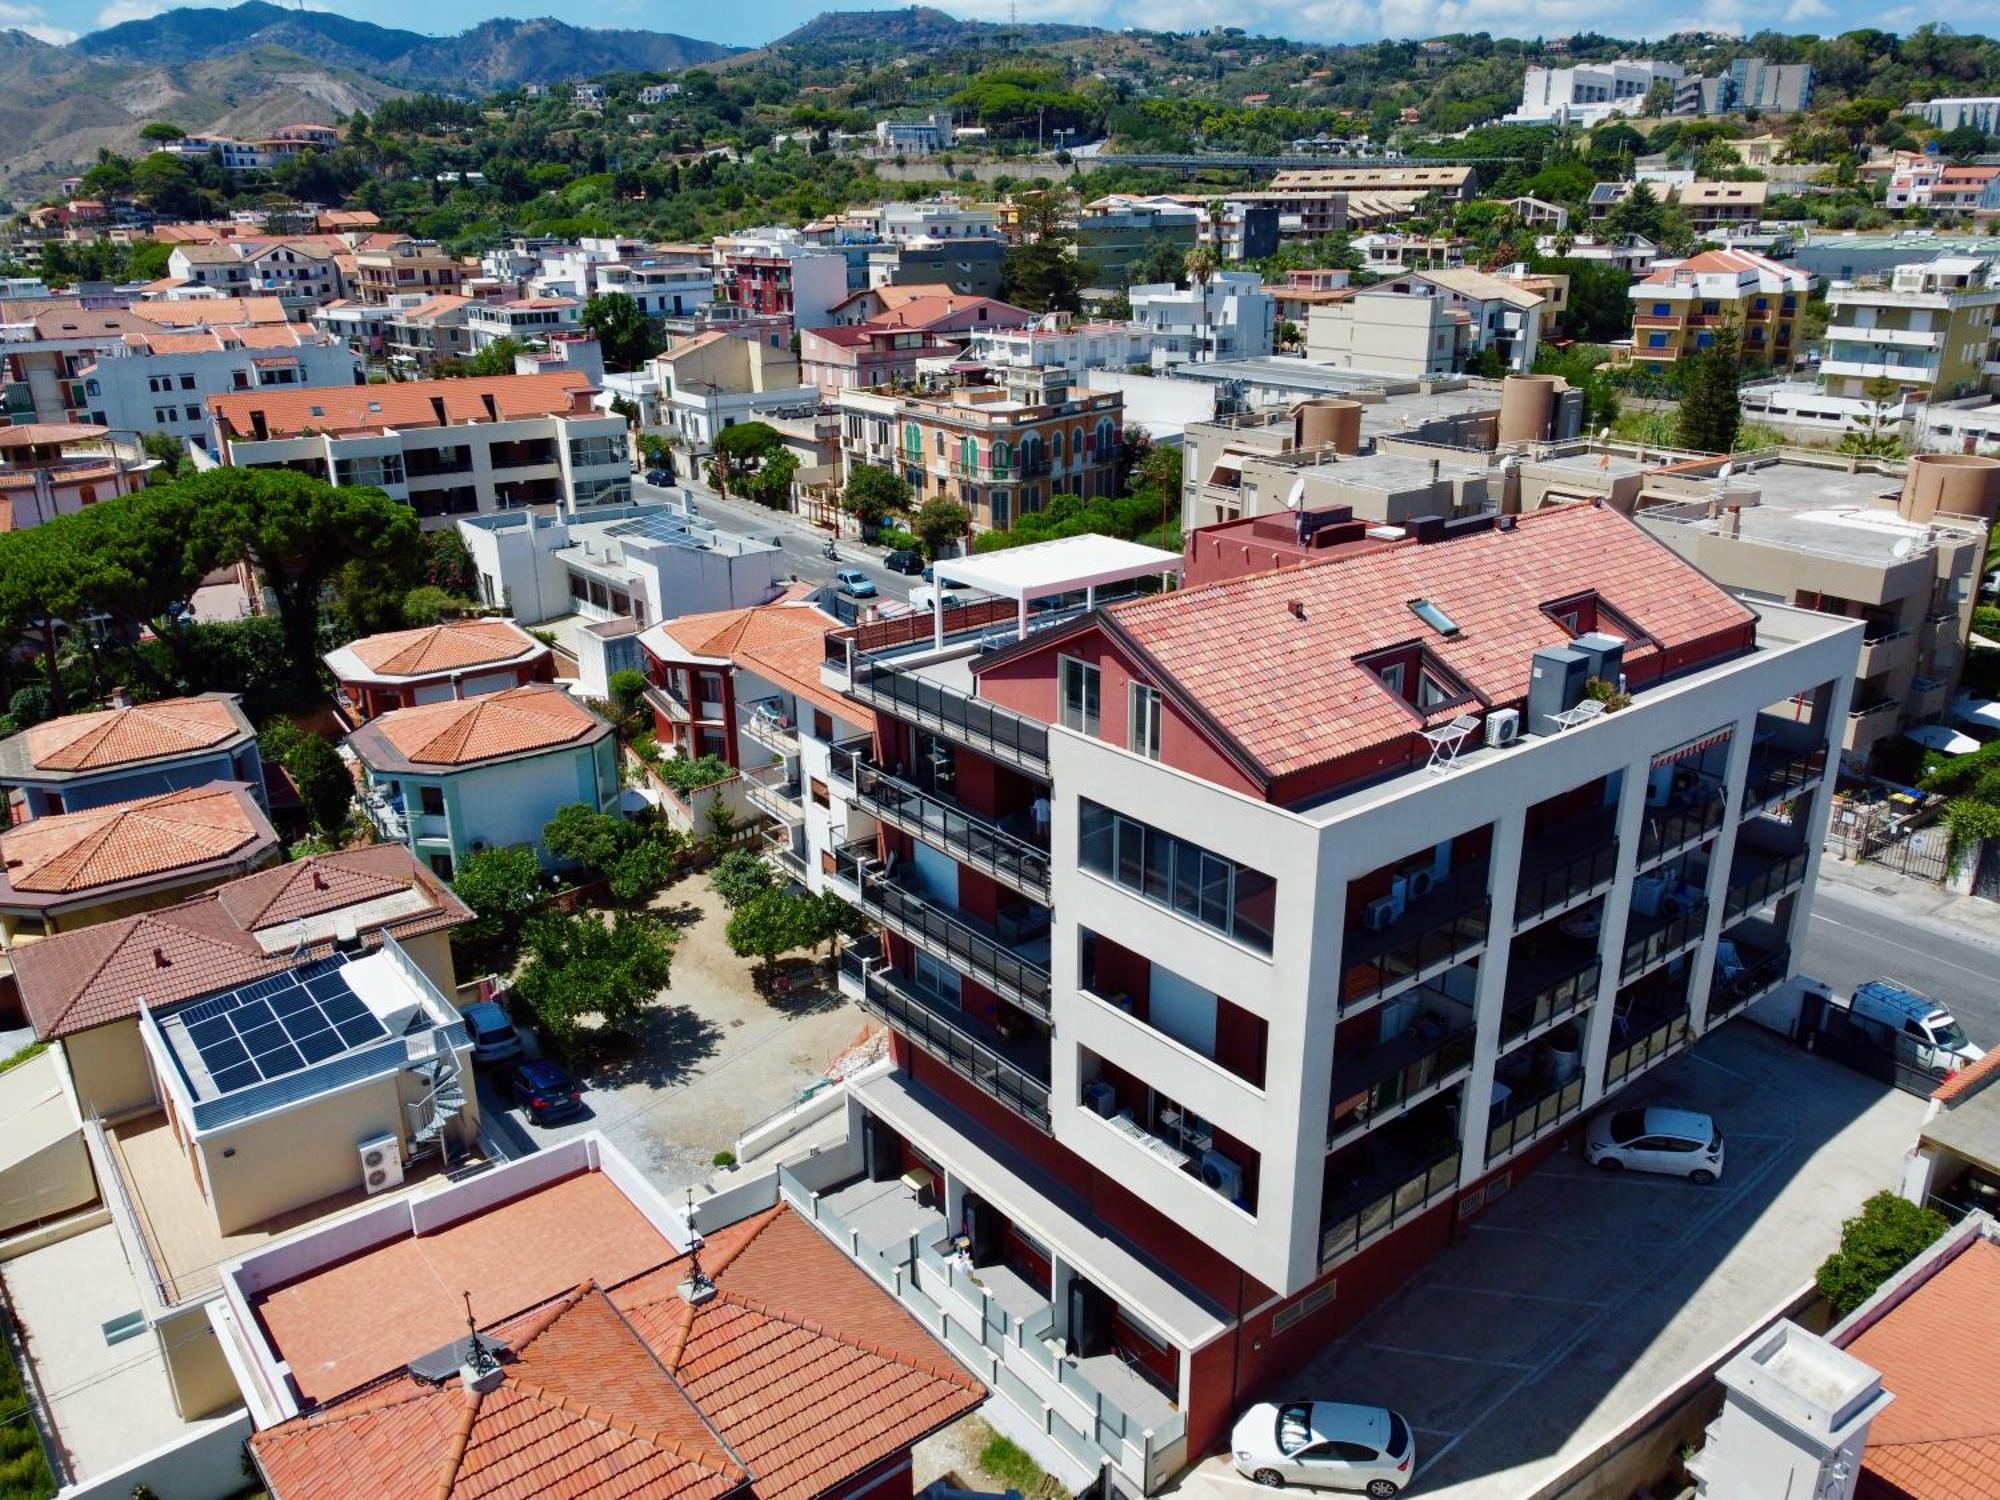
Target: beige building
(1388, 334)
(1928, 327)
(406, 266)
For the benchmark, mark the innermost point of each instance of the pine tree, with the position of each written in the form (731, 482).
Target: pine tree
(1710, 413)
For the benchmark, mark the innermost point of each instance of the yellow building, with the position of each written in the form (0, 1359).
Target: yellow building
(1928, 327)
(1677, 310)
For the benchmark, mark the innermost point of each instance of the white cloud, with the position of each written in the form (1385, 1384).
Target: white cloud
(1807, 10)
(32, 19)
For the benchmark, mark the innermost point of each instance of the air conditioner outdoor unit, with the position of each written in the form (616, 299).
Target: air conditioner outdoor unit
(1417, 877)
(1384, 909)
(1503, 726)
(1101, 1097)
(1222, 1174)
(381, 1163)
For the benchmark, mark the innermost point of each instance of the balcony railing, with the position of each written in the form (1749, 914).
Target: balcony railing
(950, 1037)
(1660, 938)
(1583, 860)
(1379, 1081)
(1763, 881)
(1531, 1118)
(944, 935)
(843, 760)
(967, 837)
(1550, 998)
(1434, 932)
(1760, 974)
(778, 849)
(1672, 828)
(770, 792)
(1778, 775)
(1650, 1045)
(996, 732)
(770, 726)
(1360, 1217)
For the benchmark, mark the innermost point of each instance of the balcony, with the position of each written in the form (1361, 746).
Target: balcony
(1746, 970)
(1651, 941)
(1562, 867)
(1886, 652)
(1434, 932)
(1685, 821)
(780, 851)
(1388, 1179)
(1014, 1071)
(843, 760)
(770, 726)
(998, 733)
(1645, 1042)
(1517, 1119)
(1544, 989)
(1758, 877)
(1779, 773)
(775, 794)
(945, 933)
(1374, 1084)
(1869, 722)
(943, 823)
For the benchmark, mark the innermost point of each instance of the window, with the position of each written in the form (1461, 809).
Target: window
(430, 800)
(1656, 341)
(1078, 684)
(819, 794)
(1201, 885)
(1142, 712)
(187, 382)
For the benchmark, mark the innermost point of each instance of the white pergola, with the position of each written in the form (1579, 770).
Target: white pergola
(1042, 570)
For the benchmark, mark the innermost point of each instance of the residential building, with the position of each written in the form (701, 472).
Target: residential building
(641, 562)
(1000, 450)
(301, 273)
(1135, 1067)
(523, 319)
(1966, 192)
(1928, 327)
(405, 266)
(360, 326)
(1717, 207)
(624, 1343)
(715, 380)
(1058, 341)
(1119, 235)
(116, 754)
(160, 381)
(1455, 183)
(861, 355)
(1229, 316)
(1950, 114)
(1502, 315)
(935, 219)
(1695, 94)
(1389, 333)
(918, 137)
(1678, 307)
(1385, 254)
(734, 684)
(1299, 211)
(1911, 182)
(457, 659)
(1901, 553)
(1770, 88)
(446, 447)
(425, 332)
(961, 267)
(53, 469)
(1589, 93)
(1304, 290)
(777, 272)
(663, 289)
(68, 870)
(1634, 254)
(454, 777)
(659, 93)
(1536, 214)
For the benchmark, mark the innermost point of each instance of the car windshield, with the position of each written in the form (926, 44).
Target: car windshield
(1950, 1035)
(1294, 1427)
(1399, 1436)
(1628, 1125)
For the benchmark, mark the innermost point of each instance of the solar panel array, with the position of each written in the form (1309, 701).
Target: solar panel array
(279, 1025)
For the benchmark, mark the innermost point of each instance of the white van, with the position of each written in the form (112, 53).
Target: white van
(1939, 1041)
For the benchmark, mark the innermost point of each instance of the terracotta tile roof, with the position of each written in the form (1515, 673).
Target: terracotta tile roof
(44, 434)
(1284, 684)
(443, 648)
(126, 736)
(783, 643)
(213, 310)
(406, 404)
(924, 312)
(464, 731)
(77, 980)
(129, 840)
(1940, 1438)
(1968, 1080)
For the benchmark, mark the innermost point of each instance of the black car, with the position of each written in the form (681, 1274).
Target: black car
(659, 477)
(545, 1089)
(905, 562)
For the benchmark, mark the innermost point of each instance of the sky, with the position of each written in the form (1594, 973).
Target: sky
(753, 22)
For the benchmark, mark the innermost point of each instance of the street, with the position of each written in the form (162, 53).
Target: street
(804, 544)
(1869, 924)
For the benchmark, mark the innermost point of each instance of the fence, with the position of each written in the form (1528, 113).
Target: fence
(1894, 836)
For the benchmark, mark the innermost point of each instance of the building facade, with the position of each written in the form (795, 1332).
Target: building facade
(1929, 329)
(1230, 316)
(1677, 308)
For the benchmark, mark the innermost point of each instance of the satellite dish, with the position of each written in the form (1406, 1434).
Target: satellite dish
(1725, 471)
(1604, 434)
(1903, 548)
(1296, 493)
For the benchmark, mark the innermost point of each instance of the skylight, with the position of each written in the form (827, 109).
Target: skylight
(1434, 616)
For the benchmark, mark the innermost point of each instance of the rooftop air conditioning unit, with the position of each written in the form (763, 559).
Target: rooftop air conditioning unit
(1101, 1097)
(381, 1163)
(1503, 727)
(1221, 1174)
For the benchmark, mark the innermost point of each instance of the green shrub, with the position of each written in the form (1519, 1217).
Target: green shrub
(723, 1159)
(1888, 1233)
(686, 776)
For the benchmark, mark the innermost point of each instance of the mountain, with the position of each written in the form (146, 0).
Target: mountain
(492, 55)
(916, 29)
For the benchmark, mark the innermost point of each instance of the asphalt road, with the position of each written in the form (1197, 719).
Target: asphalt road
(1855, 937)
(803, 544)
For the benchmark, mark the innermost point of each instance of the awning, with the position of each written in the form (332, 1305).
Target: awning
(1692, 748)
(1942, 738)
(1977, 713)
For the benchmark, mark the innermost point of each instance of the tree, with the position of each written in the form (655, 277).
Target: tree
(1639, 212)
(580, 835)
(623, 331)
(1710, 413)
(1888, 1233)
(1040, 272)
(741, 452)
(739, 877)
(580, 967)
(645, 867)
(940, 523)
(628, 688)
(1162, 263)
(497, 358)
(770, 483)
(322, 780)
(770, 923)
(1201, 266)
(160, 130)
(873, 493)
(1878, 435)
(501, 886)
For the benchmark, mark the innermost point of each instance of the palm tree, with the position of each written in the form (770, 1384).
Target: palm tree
(1200, 263)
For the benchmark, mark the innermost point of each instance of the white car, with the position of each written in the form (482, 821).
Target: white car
(1331, 1445)
(1678, 1142)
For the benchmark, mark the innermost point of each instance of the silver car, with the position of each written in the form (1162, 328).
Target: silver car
(1330, 1445)
(1678, 1142)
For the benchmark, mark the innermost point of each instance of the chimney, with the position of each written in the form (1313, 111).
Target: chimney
(1297, 608)
(259, 428)
(1503, 523)
(346, 936)
(1732, 520)
(160, 959)
(319, 878)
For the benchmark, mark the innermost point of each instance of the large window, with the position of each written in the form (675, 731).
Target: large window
(1079, 695)
(1143, 721)
(1199, 884)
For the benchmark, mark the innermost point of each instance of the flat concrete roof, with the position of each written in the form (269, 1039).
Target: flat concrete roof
(1410, 409)
(1970, 1127)
(1814, 509)
(1612, 465)
(1300, 374)
(1390, 471)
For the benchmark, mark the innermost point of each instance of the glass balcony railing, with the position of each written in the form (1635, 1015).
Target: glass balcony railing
(938, 821)
(1756, 879)
(1370, 1211)
(1755, 975)
(1377, 1081)
(1565, 865)
(1549, 994)
(1651, 941)
(843, 760)
(1776, 775)
(1014, 1072)
(1433, 933)
(1630, 1058)
(1666, 831)
(995, 732)
(1518, 1121)
(775, 795)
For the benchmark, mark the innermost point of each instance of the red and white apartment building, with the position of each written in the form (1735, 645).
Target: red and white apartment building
(1240, 942)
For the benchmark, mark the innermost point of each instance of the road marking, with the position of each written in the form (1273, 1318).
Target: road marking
(1489, 1291)
(1457, 1359)
(1705, 1062)
(1924, 953)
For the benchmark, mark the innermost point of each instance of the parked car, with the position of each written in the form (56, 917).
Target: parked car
(659, 477)
(494, 1037)
(1330, 1445)
(926, 596)
(1939, 1040)
(854, 581)
(545, 1090)
(1677, 1142)
(904, 561)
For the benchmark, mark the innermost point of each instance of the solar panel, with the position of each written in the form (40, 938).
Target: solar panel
(278, 1025)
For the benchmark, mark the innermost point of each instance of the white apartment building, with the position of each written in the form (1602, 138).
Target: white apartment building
(935, 221)
(919, 137)
(663, 289)
(525, 319)
(1057, 341)
(1215, 1012)
(446, 447)
(162, 382)
(301, 274)
(1948, 114)
(1231, 316)
(659, 93)
(1589, 93)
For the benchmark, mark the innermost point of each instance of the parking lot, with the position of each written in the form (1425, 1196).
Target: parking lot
(1582, 1297)
(717, 1057)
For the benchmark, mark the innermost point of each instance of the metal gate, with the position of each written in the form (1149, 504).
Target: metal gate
(1922, 852)
(1986, 874)
(1865, 1046)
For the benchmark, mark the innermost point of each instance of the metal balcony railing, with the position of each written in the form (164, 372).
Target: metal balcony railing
(1764, 880)
(1646, 1048)
(778, 849)
(1666, 831)
(1364, 1215)
(1777, 776)
(995, 732)
(771, 793)
(1760, 974)
(943, 933)
(1550, 999)
(843, 759)
(954, 1039)
(967, 837)
(770, 726)
(1582, 860)
(1654, 940)
(1377, 1081)
(1530, 1117)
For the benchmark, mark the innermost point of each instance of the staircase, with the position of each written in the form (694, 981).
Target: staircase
(444, 1098)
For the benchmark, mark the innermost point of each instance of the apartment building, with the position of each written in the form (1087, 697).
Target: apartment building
(1229, 316)
(862, 355)
(1589, 93)
(456, 659)
(406, 266)
(1118, 234)
(935, 219)
(1718, 207)
(1928, 326)
(1337, 933)
(1455, 183)
(301, 273)
(779, 273)
(1059, 341)
(523, 319)
(54, 469)
(1676, 309)
(1770, 88)
(1950, 114)
(717, 379)
(445, 447)
(1501, 314)
(421, 333)
(1000, 450)
(915, 137)
(1389, 333)
(965, 267)
(160, 381)
(1966, 192)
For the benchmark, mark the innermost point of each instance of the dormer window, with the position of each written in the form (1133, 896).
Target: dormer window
(1415, 675)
